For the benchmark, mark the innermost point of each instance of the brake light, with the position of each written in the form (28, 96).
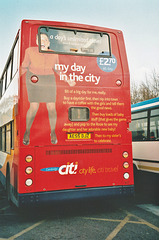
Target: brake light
(34, 79)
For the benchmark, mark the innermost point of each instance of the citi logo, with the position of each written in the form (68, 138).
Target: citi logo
(70, 168)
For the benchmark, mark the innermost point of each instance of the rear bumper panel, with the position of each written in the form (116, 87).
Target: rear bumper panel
(75, 194)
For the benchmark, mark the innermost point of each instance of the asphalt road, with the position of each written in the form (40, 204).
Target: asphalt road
(119, 219)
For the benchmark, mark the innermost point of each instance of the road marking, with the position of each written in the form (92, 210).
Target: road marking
(4, 208)
(145, 222)
(26, 230)
(123, 223)
(150, 208)
(102, 219)
(111, 220)
(118, 228)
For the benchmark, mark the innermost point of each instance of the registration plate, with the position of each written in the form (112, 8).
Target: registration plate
(74, 136)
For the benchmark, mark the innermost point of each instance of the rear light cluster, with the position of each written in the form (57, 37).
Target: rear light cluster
(126, 165)
(28, 171)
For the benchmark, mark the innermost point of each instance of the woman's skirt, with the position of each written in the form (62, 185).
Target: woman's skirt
(41, 88)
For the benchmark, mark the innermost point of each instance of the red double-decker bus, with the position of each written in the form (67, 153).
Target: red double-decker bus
(65, 114)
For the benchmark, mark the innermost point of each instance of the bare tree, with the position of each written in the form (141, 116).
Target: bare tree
(147, 89)
(135, 96)
(155, 83)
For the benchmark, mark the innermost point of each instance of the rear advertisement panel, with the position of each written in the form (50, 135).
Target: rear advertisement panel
(70, 97)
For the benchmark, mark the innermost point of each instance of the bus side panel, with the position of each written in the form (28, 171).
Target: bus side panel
(9, 116)
(145, 155)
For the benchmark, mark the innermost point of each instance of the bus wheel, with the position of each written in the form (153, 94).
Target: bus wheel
(8, 186)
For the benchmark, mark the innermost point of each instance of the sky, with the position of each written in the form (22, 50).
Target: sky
(138, 20)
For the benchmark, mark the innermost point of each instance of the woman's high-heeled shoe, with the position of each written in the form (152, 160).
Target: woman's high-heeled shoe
(53, 137)
(26, 138)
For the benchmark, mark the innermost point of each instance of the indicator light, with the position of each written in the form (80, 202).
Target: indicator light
(29, 170)
(125, 155)
(34, 79)
(29, 182)
(126, 175)
(28, 158)
(126, 165)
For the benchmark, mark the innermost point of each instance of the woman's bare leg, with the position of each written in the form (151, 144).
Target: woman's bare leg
(52, 119)
(29, 121)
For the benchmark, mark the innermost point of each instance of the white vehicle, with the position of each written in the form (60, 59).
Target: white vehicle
(145, 135)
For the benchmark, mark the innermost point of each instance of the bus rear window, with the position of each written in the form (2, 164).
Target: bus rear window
(78, 114)
(76, 42)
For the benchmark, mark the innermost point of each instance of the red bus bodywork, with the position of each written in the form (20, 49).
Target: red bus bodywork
(92, 157)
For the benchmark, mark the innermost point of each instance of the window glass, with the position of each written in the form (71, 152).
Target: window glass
(154, 128)
(8, 138)
(79, 114)
(139, 115)
(4, 83)
(15, 58)
(12, 135)
(0, 139)
(139, 129)
(75, 42)
(155, 112)
(4, 139)
(9, 73)
(1, 85)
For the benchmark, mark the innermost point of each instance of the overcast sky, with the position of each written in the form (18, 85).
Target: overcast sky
(138, 19)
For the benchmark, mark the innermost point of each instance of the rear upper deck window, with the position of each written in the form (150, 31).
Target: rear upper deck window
(76, 42)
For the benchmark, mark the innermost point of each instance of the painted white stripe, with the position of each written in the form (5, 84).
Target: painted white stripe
(145, 106)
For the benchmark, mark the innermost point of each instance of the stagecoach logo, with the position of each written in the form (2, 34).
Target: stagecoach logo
(107, 64)
(70, 168)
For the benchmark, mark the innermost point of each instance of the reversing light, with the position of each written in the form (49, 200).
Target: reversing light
(126, 175)
(29, 170)
(28, 158)
(125, 155)
(125, 165)
(29, 182)
(34, 79)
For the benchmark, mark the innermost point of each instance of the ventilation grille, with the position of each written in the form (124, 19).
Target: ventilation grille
(78, 151)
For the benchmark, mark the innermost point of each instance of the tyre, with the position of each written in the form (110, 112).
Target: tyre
(8, 185)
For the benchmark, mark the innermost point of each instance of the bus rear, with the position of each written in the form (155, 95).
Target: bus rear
(74, 108)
